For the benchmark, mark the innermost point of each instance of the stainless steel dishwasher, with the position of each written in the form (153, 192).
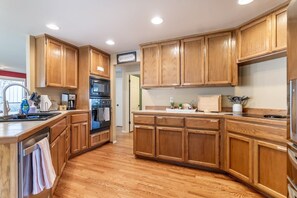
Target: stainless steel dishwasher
(26, 147)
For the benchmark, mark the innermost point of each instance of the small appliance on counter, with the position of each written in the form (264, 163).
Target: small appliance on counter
(69, 100)
(45, 103)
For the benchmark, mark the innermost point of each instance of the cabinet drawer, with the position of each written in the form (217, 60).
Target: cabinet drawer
(256, 130)
(77, 118)
(170, 121)
(58, 128)
(99, 138)
(143, 119)
(203, 123)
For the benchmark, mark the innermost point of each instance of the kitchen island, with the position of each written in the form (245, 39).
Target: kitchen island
(251, 149)
(11, 133)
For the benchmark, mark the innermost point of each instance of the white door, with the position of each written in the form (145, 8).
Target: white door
(119, 101)
(134, 97)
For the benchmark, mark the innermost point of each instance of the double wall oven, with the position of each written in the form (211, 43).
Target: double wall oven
(100, 105)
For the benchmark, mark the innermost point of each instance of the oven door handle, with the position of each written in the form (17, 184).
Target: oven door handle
(293, 158)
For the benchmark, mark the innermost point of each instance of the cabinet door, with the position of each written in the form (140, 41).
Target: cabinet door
(202, 147)
(254, 39)
(62, 151)
(239, 156)
(170, 143)
(192, 61)
(279, 30)
(150, 65)
(104, 61)
(84, 135)
(70, 66)
(270, 168)
(54, 63)
(144, 140)
(218, 66)
(169, 64)
(75, 138)
(54, 155)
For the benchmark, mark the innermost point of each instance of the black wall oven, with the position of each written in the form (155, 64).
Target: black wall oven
(99, 88)
(101, 110)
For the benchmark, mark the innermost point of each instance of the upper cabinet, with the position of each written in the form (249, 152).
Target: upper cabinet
(254, 39)
(99, 63)
(198, 61)
(218, 65)
(279, 30)
(263, 37)
(160, 65)
(169, 64)
(150, 65)
(192, 61)
(93, 61)
(56, 63)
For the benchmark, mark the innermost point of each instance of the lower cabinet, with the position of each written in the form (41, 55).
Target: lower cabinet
(144, 140)
(58, 154)
(239, 156)
(170, 143)
(269, 165)
(202, 148)
(99, 138)
(79, 137)
(260, 163)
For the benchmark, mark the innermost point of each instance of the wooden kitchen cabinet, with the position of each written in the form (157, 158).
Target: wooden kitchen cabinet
(150, 65)
(62, 151)
(56, 63)
(160, 65)
(99, 64)
(269, 168)
(144, 140)
(279, 30)
(254, 39)
(239, 156)
(79, 133)
(192, 61)
(55, 155)
(170, 143)
(218, 61)
(169, 64)
(70, 67)
(202, 148)
(79, 137)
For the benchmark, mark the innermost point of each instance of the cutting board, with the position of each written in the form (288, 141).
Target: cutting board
(210, 103)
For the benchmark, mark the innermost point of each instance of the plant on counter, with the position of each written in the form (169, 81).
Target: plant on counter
(238, 102)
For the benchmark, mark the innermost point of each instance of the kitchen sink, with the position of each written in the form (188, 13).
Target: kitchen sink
(29, 117)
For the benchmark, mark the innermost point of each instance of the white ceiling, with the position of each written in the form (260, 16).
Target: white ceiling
(127, 22)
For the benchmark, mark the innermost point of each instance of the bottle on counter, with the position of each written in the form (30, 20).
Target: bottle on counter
(25, 107)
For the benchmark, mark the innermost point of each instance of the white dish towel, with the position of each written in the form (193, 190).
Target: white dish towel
(43, 171)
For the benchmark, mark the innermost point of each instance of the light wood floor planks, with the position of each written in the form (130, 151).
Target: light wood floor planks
(112, 172)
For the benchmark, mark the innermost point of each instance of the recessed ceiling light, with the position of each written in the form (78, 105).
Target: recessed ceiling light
(157, 20)
(244, 2)
(110, 42)
(52, 26)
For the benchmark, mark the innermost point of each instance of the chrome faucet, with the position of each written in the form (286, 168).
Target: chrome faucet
(5, 102)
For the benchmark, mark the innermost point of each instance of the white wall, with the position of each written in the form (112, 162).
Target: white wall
(264, 82)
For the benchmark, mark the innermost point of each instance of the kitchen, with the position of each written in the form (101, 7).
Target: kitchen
(189, 138)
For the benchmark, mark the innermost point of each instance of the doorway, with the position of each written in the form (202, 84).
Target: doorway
(134, 97)
(119, 101)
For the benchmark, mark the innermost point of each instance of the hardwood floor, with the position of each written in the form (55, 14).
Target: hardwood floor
(112, 171)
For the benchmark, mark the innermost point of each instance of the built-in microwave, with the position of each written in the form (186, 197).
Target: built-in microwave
(99, 88)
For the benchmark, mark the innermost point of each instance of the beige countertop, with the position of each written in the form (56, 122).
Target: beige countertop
(12, 132)
(226, 115)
